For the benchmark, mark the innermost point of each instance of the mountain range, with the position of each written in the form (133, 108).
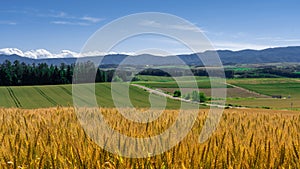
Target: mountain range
(269, 55)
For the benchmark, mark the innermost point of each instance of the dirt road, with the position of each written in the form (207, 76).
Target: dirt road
(161, 93)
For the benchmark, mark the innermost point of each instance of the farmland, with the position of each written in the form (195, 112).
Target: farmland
(287, 88)
(245, 138)
(169, 82)
(253, 92)
(43, 131)
(61, 95)
(271, 86)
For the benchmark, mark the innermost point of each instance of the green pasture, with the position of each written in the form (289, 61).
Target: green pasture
(184, 82)
(61, 95)
(271, 86)
(287, 88)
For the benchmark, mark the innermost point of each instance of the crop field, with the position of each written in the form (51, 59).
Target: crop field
(261, 97)
(289, 89)
(168, 79)
(292, 104)
(245, 138)
(169, 82)
(61, 95)
(280, 86)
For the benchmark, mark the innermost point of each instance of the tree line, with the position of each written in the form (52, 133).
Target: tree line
(19, 74)
(186, 72)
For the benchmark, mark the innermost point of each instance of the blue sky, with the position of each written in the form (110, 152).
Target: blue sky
(60, 24)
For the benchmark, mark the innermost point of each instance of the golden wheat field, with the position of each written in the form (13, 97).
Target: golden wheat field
(245, 138)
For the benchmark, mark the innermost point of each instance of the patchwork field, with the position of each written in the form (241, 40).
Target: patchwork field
(245, 138)
(250, 92)
(288, 89)
(255, 92)
(271, 86)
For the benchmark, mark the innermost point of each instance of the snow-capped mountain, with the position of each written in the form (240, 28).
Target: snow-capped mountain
(271, 55)
(45, 54)
(39, 53)
(11, 51)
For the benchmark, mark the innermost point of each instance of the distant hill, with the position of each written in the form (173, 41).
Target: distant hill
(270, 55)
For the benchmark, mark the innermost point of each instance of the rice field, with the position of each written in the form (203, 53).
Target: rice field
(245, 138)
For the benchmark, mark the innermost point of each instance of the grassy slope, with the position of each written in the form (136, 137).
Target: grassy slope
(51, 96)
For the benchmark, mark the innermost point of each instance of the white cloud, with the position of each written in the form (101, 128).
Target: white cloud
(267, 38)
(64, 15)
(186, 28)
(60, 22)
(7, 23)
(67, 19)
(278, 39)
(287, 40)
(61, 15)
(150, 23)
(182, 27)
(91, 19)
(83, 21)
(224, 45)
(70, 23)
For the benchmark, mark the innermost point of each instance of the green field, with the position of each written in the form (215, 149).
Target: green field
(169, 82)
(242, 69)
(61, 95)
(169, 79)
(288, 88)
(271, 86)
